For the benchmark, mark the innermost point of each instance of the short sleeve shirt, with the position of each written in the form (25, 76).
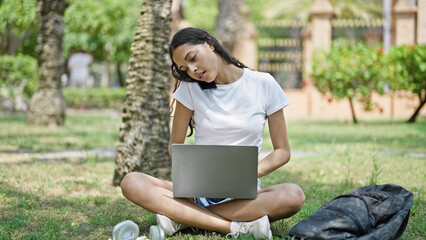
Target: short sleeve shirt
(233, 114)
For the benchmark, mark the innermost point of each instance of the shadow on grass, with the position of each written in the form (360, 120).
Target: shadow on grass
(27, 215)
(30, 215)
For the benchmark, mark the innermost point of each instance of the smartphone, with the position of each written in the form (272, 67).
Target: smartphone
(205, 86)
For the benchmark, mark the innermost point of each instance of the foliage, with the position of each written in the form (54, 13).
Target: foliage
(103, 27)
(95, 97)
(202, 13)
(18, 21)
(408, 68)
(21, 13)
(407, 71)
(349, 71)
(356, 71)
(18, 73)
(299, 9)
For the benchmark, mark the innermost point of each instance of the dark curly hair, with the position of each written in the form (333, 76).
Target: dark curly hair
(196, 36)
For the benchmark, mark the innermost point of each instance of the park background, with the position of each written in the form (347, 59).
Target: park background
(56, 179)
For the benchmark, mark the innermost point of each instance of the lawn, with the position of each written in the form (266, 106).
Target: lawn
(74, 198)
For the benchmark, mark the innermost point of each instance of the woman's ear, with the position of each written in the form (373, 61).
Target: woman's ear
(210, 46)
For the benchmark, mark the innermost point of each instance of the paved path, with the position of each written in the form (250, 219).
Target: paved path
(28, 156)
(21, 156)
(9, 157)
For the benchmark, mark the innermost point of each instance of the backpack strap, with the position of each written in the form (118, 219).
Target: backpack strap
(370, 222)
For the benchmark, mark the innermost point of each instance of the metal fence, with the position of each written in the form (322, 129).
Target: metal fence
(280, 45)
(356, 30)
(280, 51)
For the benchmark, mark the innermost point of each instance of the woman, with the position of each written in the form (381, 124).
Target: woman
(229, 104)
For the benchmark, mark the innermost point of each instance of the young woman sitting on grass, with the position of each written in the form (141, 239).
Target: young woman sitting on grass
(234, 113)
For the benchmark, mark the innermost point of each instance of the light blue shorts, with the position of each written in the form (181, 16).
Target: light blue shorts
(205, 202)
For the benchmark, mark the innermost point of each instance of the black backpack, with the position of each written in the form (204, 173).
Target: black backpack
(371, 212)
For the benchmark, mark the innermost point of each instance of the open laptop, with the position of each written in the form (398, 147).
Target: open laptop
(214, 171)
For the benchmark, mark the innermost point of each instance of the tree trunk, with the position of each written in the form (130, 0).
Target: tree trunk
(144, 132)
(105, 76)
(13, 48)
(422, 98)
(8, 38)
(120, 78)
(47, 105)
(352, 110)
(230, 22)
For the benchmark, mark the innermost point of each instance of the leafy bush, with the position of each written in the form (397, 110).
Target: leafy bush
(95, 97)
(18, 74)
(407, 69)
(352, 71)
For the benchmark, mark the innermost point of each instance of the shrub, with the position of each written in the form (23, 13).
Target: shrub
(352, 71)
(95, 97)
(407, 71)
(18, 73)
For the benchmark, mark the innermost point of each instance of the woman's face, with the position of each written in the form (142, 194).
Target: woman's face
(198, 61)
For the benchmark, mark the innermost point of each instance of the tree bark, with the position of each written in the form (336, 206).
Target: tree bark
(120, 77)
(352, 110)
(144, 132)
(47, 105)
(230, 22)
(422, 98)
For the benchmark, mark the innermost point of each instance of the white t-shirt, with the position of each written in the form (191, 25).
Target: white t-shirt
(233, 114)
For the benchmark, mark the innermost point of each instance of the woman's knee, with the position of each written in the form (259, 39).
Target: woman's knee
(295, 197)
(290, 198)
(131, 184)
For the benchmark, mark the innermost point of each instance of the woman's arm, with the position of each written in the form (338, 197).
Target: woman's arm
(180, 124)
(279, 138)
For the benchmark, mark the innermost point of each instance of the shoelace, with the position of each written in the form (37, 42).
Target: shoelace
(178, 226)
(244, 229)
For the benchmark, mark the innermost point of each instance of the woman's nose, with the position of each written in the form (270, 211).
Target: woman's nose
(192, 68)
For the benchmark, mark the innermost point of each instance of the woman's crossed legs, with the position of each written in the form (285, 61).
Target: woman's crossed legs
(156, 195)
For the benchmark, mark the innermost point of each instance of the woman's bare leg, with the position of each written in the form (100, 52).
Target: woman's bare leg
(156, 196)
(278, 202)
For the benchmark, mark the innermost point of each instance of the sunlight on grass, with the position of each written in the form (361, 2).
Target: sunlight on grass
(75, 199)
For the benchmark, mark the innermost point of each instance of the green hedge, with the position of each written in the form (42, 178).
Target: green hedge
(18, 71)
(94, 97)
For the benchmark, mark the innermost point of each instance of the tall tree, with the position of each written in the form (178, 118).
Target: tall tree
(407, 71)
(47, 105)
(18, 21)
(105, 28)
(230, 22)
(144, 133)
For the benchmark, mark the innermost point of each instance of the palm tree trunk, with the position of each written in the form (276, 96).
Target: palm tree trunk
(230, 22)
(144, 132)
(47, 105)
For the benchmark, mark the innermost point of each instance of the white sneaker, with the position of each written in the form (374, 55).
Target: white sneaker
(259, 228)
(169, 226)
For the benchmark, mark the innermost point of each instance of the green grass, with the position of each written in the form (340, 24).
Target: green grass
(76, 200)
(81, 131)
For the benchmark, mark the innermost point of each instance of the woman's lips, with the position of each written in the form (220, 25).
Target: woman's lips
(202, 76)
